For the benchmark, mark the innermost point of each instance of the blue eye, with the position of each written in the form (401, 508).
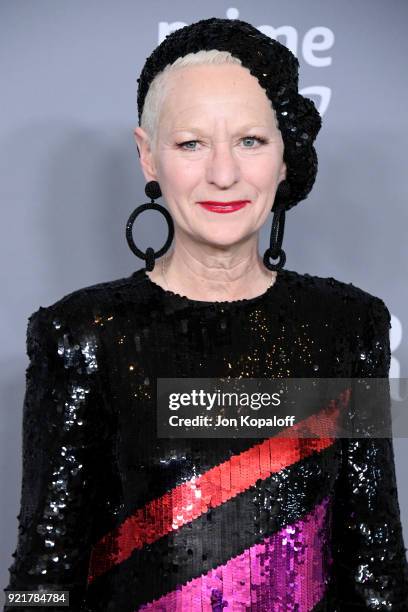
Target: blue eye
(258, 138)
(182, 144)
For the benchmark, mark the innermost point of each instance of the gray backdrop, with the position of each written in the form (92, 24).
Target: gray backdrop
(70, 172)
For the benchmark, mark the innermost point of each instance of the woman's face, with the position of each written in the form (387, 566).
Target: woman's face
(207, 149)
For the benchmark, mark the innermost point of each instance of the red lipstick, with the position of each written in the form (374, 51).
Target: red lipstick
(223, 207)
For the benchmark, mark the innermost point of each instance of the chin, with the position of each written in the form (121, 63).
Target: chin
(222, 241)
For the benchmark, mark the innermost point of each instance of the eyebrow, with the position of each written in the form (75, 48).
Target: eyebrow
(198, 130)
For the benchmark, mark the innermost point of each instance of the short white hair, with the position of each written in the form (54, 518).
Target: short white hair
(158, 87)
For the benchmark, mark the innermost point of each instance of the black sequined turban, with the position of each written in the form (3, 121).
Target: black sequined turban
(276, 69)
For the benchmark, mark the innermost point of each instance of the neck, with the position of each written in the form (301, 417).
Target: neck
(213, 278)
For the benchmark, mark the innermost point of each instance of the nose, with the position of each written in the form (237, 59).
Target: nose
(223, 169)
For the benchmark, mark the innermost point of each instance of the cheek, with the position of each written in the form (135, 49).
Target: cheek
(179, 175)
(262, 172)
(176, 183)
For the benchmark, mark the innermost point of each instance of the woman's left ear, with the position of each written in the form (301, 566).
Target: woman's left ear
(282, 174)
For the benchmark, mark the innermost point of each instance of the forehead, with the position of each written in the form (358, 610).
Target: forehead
(215, 90)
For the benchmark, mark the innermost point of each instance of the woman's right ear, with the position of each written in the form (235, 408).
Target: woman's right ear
(145, 154)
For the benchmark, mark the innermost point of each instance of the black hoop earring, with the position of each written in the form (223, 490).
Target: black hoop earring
(278, 225)
(153, 191)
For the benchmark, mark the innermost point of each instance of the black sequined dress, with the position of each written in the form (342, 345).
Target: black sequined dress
(127, 522)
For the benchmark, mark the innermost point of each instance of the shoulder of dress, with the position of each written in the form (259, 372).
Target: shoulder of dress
(349, 297)
(83, 309)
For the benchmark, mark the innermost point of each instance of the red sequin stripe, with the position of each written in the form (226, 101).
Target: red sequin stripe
(187, 501)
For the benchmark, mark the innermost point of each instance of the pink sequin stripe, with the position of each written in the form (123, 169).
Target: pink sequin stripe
(287, 572)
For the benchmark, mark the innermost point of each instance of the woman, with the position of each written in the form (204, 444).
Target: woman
(126, 520)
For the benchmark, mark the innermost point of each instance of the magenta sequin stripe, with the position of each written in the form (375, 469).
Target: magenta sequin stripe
(287, 572)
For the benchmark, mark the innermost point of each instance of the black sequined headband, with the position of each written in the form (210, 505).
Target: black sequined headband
(276, 69)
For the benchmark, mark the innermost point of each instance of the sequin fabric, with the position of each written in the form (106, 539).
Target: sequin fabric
(126, 521)
(276, 69)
